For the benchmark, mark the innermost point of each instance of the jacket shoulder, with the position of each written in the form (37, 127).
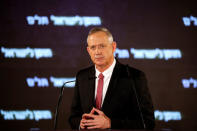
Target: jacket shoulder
(86, 70)
(130, 71)
(136, 72)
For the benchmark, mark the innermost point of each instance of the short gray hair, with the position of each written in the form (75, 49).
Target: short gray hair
(102, 29)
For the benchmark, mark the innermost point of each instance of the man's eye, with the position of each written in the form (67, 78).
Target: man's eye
(102, 46)
(92, 47)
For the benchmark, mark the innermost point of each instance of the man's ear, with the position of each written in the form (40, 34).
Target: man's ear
(114, 46)
(88, 50)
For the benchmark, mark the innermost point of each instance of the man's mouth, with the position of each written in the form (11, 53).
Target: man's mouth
(98, 57)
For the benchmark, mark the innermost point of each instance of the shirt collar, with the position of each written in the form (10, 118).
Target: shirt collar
(107, 71)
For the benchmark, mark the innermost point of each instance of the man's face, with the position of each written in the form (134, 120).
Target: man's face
(100, 49)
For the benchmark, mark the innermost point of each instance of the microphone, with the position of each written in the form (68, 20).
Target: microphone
(137, 99)
(58, 104)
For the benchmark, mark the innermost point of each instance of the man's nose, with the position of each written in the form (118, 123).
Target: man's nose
(98, 51)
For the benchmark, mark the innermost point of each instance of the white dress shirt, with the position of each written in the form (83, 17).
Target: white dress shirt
(107, 76)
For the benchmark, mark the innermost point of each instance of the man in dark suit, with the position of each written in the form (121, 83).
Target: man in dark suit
(110, 95)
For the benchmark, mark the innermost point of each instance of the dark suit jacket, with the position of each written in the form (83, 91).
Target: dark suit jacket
(120, 103)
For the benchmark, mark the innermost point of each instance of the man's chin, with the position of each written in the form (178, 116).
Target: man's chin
(99, 63)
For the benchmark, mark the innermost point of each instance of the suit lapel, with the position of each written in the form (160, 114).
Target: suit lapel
(112, 86)
(90, 89)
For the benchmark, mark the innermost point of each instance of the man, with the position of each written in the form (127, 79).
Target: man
(110, 95)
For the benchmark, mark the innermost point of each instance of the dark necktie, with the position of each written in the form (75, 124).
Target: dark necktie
(99, 91)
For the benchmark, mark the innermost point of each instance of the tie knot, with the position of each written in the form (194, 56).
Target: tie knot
(100, 76)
